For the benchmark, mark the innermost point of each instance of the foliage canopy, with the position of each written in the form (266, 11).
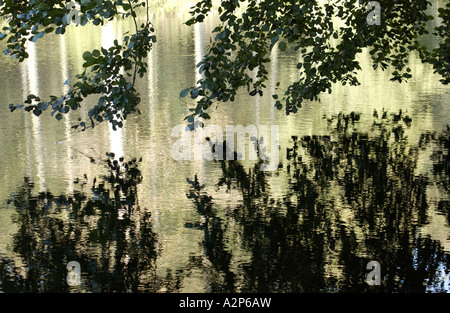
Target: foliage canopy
(329, 35)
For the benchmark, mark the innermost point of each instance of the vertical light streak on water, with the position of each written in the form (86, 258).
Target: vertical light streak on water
(33, 88)
(257, 100)
(115, 136)
(152, 100)
(273, 113)
(199, 30)
(67, 141)
(273, 79)
(29, 139)
(256, 122)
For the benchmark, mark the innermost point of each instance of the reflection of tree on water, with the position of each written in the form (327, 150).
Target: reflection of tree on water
(214, 242)
(441, 169)
(352, 197)
(107, 233)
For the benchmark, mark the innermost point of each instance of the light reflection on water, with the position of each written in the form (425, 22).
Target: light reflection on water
(311, 226)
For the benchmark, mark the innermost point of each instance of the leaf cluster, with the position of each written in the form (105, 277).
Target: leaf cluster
(327, 36)
(108, 73)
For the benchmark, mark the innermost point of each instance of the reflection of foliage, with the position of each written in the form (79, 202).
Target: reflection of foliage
(442, 159)
(214, 242)
(441, 169)
(351, 197)
(107, 233)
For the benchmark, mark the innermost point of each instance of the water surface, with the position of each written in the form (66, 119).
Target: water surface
(363, 176)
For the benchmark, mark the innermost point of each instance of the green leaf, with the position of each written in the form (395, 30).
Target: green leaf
(194, 93)
(282, 46)
(184, 92)
(60, 30)
(87, 55)
(274, 40)
(37, 36)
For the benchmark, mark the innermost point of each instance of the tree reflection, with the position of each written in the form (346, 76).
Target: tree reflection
(214, 241)
(351, 197)
(441, 168)
(107, 232)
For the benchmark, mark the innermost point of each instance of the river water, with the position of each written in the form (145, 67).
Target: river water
(363, 176)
